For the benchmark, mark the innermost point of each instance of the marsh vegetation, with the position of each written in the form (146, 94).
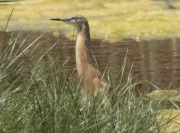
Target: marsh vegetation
(39, 93)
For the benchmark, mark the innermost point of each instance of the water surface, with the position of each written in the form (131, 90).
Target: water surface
(153, 60)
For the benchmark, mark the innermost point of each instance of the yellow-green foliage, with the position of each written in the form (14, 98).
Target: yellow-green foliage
(111, 20)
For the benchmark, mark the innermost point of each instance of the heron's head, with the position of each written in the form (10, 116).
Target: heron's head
(76, 20)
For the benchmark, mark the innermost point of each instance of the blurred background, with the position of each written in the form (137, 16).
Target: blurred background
(148, 29)
(109, 19)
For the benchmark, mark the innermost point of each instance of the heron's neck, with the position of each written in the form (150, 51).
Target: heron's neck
(85, 35)
(83, 50)
(83, 39)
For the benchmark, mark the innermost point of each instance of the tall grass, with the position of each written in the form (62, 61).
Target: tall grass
(37, 97)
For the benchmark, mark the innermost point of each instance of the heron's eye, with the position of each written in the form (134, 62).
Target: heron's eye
(75, 18)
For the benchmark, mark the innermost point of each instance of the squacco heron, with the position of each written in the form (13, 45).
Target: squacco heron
(85, 61)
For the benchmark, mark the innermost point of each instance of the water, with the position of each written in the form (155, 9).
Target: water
(153, 60)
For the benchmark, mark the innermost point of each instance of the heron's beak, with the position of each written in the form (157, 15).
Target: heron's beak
(68, 20)
(61, 19)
